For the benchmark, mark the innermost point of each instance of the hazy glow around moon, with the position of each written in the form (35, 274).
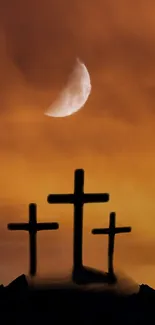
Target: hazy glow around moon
(74, 95)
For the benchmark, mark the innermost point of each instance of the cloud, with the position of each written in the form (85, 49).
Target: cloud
(112, 138)
(114, 41)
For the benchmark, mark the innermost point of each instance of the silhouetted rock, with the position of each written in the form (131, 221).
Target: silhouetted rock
(146, 291)
(86, 275)
(20, 284)
(64, 302)
(2, 288)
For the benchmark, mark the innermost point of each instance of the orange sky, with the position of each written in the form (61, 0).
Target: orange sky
(112, 138)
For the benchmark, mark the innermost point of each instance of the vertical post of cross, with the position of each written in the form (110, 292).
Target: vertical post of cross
(111, 231)
(78, 199)
(32, 227)
(32, 238)
(78, 218)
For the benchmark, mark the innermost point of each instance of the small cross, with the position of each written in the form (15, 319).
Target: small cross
(78, 199)
(32, 227)
(111, 231)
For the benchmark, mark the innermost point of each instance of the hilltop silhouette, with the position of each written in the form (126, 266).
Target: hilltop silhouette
(22, 303)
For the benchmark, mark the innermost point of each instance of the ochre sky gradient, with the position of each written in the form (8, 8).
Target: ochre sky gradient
(112, 138)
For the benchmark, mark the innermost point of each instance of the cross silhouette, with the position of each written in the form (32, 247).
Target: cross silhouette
(111, 231)
(32, 227)
(78, 199)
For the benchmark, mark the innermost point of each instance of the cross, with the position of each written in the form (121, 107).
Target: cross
(111, 231)
(32, 227)
(78, 199)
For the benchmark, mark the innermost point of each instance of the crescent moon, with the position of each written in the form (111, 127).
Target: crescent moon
(74, 95)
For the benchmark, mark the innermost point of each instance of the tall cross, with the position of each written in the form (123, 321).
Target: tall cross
(111, 231)
(78, 199)
(32, 227)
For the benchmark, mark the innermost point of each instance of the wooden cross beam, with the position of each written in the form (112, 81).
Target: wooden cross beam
(111, 231)
(32, 227)
(78, 199)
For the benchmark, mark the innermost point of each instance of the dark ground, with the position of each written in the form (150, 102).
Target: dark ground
(55, 304)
